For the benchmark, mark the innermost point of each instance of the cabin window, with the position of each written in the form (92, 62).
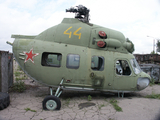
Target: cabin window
(73, 61)
(122, 68)
(97, 63)
(51, 59)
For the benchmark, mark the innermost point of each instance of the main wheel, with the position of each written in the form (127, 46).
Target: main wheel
(51, 103)
(4, 100)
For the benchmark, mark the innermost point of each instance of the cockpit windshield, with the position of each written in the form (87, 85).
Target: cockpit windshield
(135, 66)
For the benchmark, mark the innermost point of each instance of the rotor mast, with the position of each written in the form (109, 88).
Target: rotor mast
(81, 13)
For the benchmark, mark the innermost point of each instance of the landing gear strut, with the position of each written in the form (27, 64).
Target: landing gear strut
(52, 102)
(120, 94)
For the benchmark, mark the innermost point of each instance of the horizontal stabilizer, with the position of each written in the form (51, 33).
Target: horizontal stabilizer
(23, 36)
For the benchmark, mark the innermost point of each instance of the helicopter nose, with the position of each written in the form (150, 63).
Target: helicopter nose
(142, 83)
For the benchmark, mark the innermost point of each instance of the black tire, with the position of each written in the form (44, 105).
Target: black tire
(51, 102)
(4, 100)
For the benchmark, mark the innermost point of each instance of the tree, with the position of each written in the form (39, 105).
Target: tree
(153, 52)
(158, 45)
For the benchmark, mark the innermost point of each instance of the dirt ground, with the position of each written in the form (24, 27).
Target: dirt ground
(76, 105)
(28, 105)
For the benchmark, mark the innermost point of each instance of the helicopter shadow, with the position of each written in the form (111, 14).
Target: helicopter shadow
(97, 95)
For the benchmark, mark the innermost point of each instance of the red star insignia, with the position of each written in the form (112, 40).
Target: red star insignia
(30, 56)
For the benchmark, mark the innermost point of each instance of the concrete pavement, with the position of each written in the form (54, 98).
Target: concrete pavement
(28, 106)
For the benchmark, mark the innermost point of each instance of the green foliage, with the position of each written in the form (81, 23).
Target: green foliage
(28, 109)
(153, 52)
(89, 97)
(17, 73)
(110, 119)
(18, 86)
(158, 46)
(116, 107)
(19, 68)
(153, 96)
(20, 75)
(152, 82)
(21, 78)
(67, 101)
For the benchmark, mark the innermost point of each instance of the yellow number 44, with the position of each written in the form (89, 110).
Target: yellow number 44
(74, 33)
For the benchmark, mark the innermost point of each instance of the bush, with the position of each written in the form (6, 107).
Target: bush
(18, 86)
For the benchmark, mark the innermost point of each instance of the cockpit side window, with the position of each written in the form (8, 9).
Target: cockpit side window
(122, 68)
(51, 59)
(97, 63)
(135, 66)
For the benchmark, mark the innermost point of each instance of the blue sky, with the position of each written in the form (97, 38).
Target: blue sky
(134, 18)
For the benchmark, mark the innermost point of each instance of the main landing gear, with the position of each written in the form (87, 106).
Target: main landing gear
(52, 102)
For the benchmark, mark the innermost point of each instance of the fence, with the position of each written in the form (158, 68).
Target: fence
(6, 70)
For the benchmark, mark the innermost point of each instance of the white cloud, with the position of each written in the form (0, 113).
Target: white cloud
(135, 18)
(27, 18)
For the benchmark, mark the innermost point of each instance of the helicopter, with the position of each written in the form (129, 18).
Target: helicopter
(79, 55)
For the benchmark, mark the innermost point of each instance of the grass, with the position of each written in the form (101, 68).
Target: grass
(19, 68)
(28, 109)
(18, 86)
(89, 98)
(153, 96)
(18, 73)
(110, 119)
(21, 78)
(100, 106)
(67, 101)
(115, 105)
(152, 82)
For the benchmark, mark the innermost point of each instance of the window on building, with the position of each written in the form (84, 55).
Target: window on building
(122, 68)
(97, 63)
(51, 59)
(73, 61)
